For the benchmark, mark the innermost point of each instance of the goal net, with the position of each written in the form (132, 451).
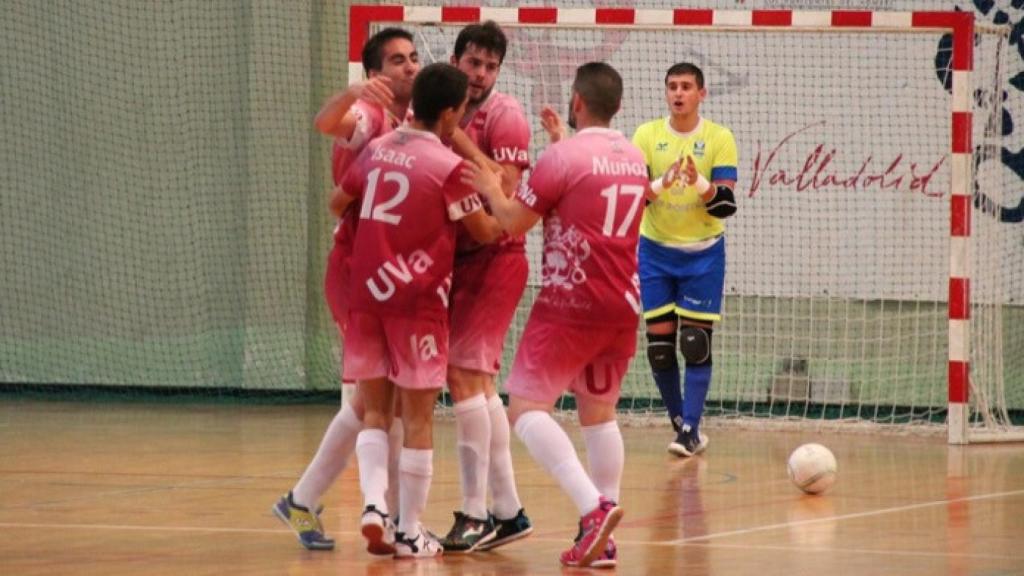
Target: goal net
(870, 278)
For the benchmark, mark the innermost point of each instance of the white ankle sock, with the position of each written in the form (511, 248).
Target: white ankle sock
(372, 450)
(551, 448)
(606, 456)
(416, 469)
(501, 477)
(331, 457)
(473, 434)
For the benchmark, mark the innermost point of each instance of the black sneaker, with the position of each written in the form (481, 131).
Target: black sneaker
(506, 531)
(688, 443)
(467, 534)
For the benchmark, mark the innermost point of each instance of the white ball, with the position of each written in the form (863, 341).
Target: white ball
(812, 467)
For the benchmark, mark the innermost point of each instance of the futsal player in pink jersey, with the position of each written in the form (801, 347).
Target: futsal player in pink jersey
(486, 287)
(412, 198)
(358, 114)
(581, 333)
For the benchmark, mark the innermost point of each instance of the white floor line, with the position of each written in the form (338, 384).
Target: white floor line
(869, 513)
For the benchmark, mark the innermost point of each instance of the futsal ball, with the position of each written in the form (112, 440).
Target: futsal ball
(812, 467)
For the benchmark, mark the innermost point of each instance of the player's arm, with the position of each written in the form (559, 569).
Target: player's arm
(514, 217)
(718, 196)
(465, 206)
(666, 180)
(483, 227)
(463, 145)
(350, 187)
(552, 123)
(335, 117)
(339, 201)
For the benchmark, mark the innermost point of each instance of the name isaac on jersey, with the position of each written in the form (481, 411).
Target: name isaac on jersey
(600, 165)
(390, 156)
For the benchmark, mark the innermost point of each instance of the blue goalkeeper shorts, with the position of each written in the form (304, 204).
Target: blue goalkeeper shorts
(689, 284)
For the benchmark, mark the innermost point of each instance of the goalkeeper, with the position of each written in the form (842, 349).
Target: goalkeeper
(682, 247)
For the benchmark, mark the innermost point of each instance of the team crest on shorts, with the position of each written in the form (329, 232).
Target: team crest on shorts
(698, 149)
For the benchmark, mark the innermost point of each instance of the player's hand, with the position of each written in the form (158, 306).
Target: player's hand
(376, 90)
(668, 179)
(552, 124)
(689, 173)
(482, 179)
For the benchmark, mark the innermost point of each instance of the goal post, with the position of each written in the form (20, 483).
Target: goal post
(858, 269)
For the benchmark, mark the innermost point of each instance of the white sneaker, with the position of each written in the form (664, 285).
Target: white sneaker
(420, 545)
(379, 531)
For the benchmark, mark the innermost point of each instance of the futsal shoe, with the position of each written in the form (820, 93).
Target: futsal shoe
(379, 531)
(507, 531)
(304, 523)
(467, 534)
(688, 443)
(422, 544)
(595, 530)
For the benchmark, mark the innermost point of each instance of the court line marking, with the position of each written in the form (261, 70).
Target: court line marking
(675, 542)
(839, 518)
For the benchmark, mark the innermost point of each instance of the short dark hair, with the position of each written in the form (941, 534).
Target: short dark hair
(373, 50)
(487, 35)
(686, 68)
(437, 87)
(600, 87)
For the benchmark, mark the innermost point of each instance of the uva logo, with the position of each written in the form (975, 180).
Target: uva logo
(424, 347)
(402, 270)
(527, 195)
(510, 154)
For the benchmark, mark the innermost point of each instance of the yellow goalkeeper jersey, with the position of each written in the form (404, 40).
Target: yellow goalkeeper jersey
(678, 216)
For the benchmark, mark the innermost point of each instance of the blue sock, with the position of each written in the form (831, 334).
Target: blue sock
(698, 380)
(671, 394)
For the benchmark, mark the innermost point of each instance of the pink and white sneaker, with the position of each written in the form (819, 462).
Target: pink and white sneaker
(595, 531)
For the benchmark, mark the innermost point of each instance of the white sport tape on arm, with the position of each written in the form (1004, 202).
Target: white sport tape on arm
(656, 186)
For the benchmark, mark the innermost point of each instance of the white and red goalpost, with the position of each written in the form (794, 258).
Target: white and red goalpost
(846, 257)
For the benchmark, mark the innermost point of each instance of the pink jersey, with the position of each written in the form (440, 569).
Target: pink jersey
(590, 190)
(372, 121)
(412, 196)
(499, 129)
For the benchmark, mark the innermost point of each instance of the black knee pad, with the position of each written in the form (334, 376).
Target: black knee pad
(695, 344)
(661, 352)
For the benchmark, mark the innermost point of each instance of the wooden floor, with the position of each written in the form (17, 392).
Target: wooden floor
(92, 488)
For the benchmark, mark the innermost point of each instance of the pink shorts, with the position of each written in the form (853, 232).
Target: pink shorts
(485, 292)
(590, 361)
(336, 280)
(411, 352)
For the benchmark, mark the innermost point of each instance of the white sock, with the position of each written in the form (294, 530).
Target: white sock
(473, 435)
(551, 448)
(396, 436)
(331, 457)
(501, 477)
(372, 450)
(416, 468)
(606, 457)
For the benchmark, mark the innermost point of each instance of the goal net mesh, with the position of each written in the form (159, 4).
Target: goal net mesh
(838, 257)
